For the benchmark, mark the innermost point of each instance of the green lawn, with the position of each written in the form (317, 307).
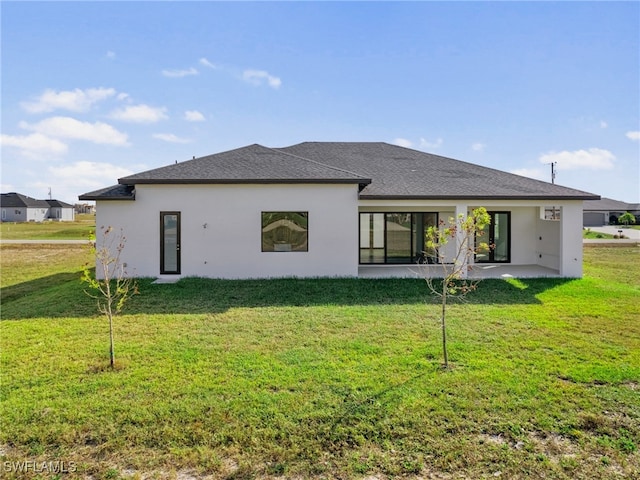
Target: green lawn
(77, 230)
(322, 378)
(590, 234)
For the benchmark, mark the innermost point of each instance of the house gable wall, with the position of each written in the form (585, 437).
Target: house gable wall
(221, 229)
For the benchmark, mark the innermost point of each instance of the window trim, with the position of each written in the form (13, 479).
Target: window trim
(299, 212)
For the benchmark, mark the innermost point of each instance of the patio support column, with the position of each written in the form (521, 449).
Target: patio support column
(462, 209)
(571, 240)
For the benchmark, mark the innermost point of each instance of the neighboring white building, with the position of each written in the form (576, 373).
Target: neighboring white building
(332, 209)
(15, 207)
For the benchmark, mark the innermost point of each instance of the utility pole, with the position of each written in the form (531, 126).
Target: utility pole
(553, 181)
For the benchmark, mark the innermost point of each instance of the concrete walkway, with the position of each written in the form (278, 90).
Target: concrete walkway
(58, 242)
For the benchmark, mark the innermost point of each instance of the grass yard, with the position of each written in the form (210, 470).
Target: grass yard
(77, 230)
(590, 234)
(321, 378)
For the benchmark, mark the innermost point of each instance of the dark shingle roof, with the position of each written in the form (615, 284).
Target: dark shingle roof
(251, 164)
(114, 192)
(383, 171)
(608, 204)
(400, 172)
(18, 200)
(58, 203)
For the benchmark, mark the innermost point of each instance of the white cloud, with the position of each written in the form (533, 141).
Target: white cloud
(633, 135)
(424, 143)
(603, 124)
(35, 145)
(170, 137)
(74, 100)
(67, 127)
(111, 54)
(403, 142)
(536, 173)
(89, 174)
(206, 63)
(193, 116)
(140, 114)
(70, 180)
(7, 187)
(180, 73)
(258, 77)
(124, 97)
(478, 147)
(592, 159)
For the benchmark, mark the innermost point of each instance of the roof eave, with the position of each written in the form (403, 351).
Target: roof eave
(477, 197)
(146, 181)
(106, 197)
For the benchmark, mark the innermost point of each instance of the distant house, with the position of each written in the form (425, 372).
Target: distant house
(606, 211)
(85, 208)
(333, 209)
(15, 207)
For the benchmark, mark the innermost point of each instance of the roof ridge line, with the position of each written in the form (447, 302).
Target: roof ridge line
(279, 150)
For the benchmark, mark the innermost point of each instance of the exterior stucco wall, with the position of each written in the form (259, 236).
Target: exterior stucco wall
(62, 214)
(560, 241)
(14, 214)
(37, 214)
(548, 245)
(230, 244)
(571, 240)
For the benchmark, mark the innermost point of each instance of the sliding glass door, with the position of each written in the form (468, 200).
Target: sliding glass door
(498, 236)
(394, 238)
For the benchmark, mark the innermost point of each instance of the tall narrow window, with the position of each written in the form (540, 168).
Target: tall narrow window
(170, 242)
(372, 238)
(498, 236)
(285, 231)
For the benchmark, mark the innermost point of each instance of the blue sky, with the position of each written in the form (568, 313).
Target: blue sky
(93, 91)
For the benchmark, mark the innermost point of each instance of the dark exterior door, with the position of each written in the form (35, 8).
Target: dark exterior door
(170, 243)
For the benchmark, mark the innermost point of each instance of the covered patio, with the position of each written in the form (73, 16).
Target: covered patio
(477, 271)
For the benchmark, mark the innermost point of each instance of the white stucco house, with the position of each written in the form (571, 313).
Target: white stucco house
(16, 207)
(332, 209)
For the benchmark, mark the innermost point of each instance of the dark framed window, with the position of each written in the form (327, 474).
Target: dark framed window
(498, 236)
(394, 237)
(285, 231)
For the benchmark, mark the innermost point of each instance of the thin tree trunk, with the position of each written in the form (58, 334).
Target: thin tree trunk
(112, 354)
(444, 326)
